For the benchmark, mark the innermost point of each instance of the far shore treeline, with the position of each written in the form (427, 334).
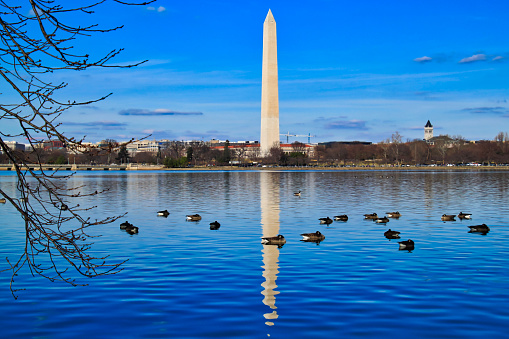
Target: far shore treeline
(444, 151)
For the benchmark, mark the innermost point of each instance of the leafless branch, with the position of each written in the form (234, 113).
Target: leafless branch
(34, 44)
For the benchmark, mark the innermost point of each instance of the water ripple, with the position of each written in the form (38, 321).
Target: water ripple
(185, 280)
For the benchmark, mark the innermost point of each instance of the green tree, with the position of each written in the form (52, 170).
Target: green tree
(175, 162)
(123, 155)
(60, 160)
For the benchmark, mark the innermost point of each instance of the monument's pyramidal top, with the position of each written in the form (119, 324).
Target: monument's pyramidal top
(270, 17)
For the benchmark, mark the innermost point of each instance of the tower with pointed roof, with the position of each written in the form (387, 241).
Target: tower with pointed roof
(269, 133)
(428, 131)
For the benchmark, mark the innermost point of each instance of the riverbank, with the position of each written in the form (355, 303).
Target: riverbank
(350, 168)
(135, 167)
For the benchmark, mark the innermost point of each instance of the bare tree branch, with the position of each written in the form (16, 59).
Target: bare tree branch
(33, 45)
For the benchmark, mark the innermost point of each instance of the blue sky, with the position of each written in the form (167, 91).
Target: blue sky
(348, 70)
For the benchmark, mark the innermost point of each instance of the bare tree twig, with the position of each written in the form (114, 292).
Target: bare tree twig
(33, 45)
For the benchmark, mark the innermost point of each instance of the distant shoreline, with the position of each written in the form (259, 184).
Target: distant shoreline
(134, 167)
(409, 168)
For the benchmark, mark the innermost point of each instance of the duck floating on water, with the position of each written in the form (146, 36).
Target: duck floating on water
(383, 220)
(3, 201)
(193, 217)
(371, 216)
(125, 224)
(406, 245)
(448, 217)
(128, 227)
(215, 225)
(393, 214)
(277, 240)
(465, 215)
(297, 194)
(343, 217)
(317, 236)
(164, 213)
(326, 220)
(390, 234)
(131, 229)
(479, 229)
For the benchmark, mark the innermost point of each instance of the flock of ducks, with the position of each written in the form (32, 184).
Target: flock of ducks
(128, 227)
(196, 217)
(451, 217)
(483, 228)
(131, 229)
(408, 245)
(317, 236)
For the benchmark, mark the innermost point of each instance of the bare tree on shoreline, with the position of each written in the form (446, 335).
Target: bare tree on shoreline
(38, 40)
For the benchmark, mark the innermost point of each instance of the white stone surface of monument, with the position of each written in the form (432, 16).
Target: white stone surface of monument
(269, 135)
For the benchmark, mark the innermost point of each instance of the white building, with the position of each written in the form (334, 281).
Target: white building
(151, 146)
(428, 131)
(14, 145)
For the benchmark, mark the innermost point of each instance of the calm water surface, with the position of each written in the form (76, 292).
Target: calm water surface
(184, 280)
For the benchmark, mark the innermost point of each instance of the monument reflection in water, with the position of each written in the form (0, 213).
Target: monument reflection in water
(269, 203)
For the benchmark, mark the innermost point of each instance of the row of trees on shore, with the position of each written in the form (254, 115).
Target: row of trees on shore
(393, 151)
(443, 150)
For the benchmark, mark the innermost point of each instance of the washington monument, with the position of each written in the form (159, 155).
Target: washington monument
(269, 136)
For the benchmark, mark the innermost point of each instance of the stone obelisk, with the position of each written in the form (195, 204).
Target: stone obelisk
(269, 136)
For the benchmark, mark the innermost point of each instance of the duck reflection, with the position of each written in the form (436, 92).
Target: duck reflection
(317, 241)
(269, 203)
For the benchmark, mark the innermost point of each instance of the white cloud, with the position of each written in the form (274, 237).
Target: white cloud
(497, 58)
(159, 111)
(473, 58)
(423, 59)
(159, 9)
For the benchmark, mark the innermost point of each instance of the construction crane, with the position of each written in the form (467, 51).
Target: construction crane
(288, 135)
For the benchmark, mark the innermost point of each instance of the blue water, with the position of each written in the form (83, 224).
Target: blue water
(184, 280)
